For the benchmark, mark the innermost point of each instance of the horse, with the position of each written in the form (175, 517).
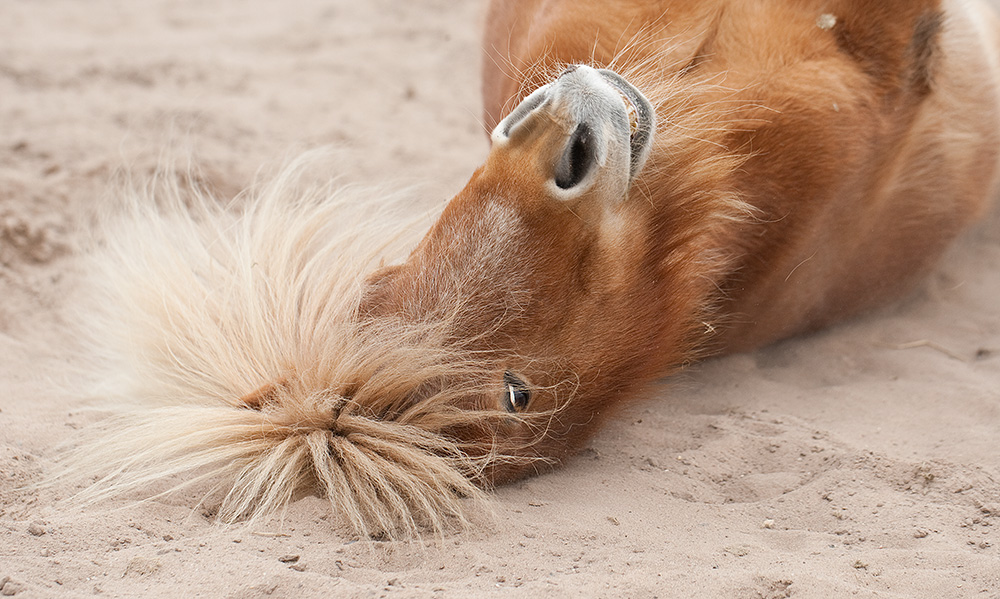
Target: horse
(666, 181)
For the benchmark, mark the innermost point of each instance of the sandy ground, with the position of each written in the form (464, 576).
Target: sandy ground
(859, 462)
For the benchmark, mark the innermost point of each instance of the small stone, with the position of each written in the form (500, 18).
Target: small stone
(9, 588)
(298, 567)
(288, 559)
(769, 524)
(826, 21)
(140, 567)
(921, 533)
(36, 529)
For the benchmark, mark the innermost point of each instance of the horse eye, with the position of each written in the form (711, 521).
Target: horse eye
(516, 393)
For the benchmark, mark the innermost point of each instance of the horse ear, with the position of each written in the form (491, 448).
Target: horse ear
(895, 41)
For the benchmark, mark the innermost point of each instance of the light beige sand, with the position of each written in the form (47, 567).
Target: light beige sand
(859, 462)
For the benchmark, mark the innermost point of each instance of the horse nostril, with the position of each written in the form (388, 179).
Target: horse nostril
(576, 159)
(523, 110)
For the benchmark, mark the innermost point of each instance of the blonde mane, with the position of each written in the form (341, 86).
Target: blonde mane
(193, 307)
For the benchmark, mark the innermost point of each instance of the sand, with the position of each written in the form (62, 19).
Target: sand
(858, 462)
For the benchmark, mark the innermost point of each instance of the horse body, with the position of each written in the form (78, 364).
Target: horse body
(667, 180)
(869, 132)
